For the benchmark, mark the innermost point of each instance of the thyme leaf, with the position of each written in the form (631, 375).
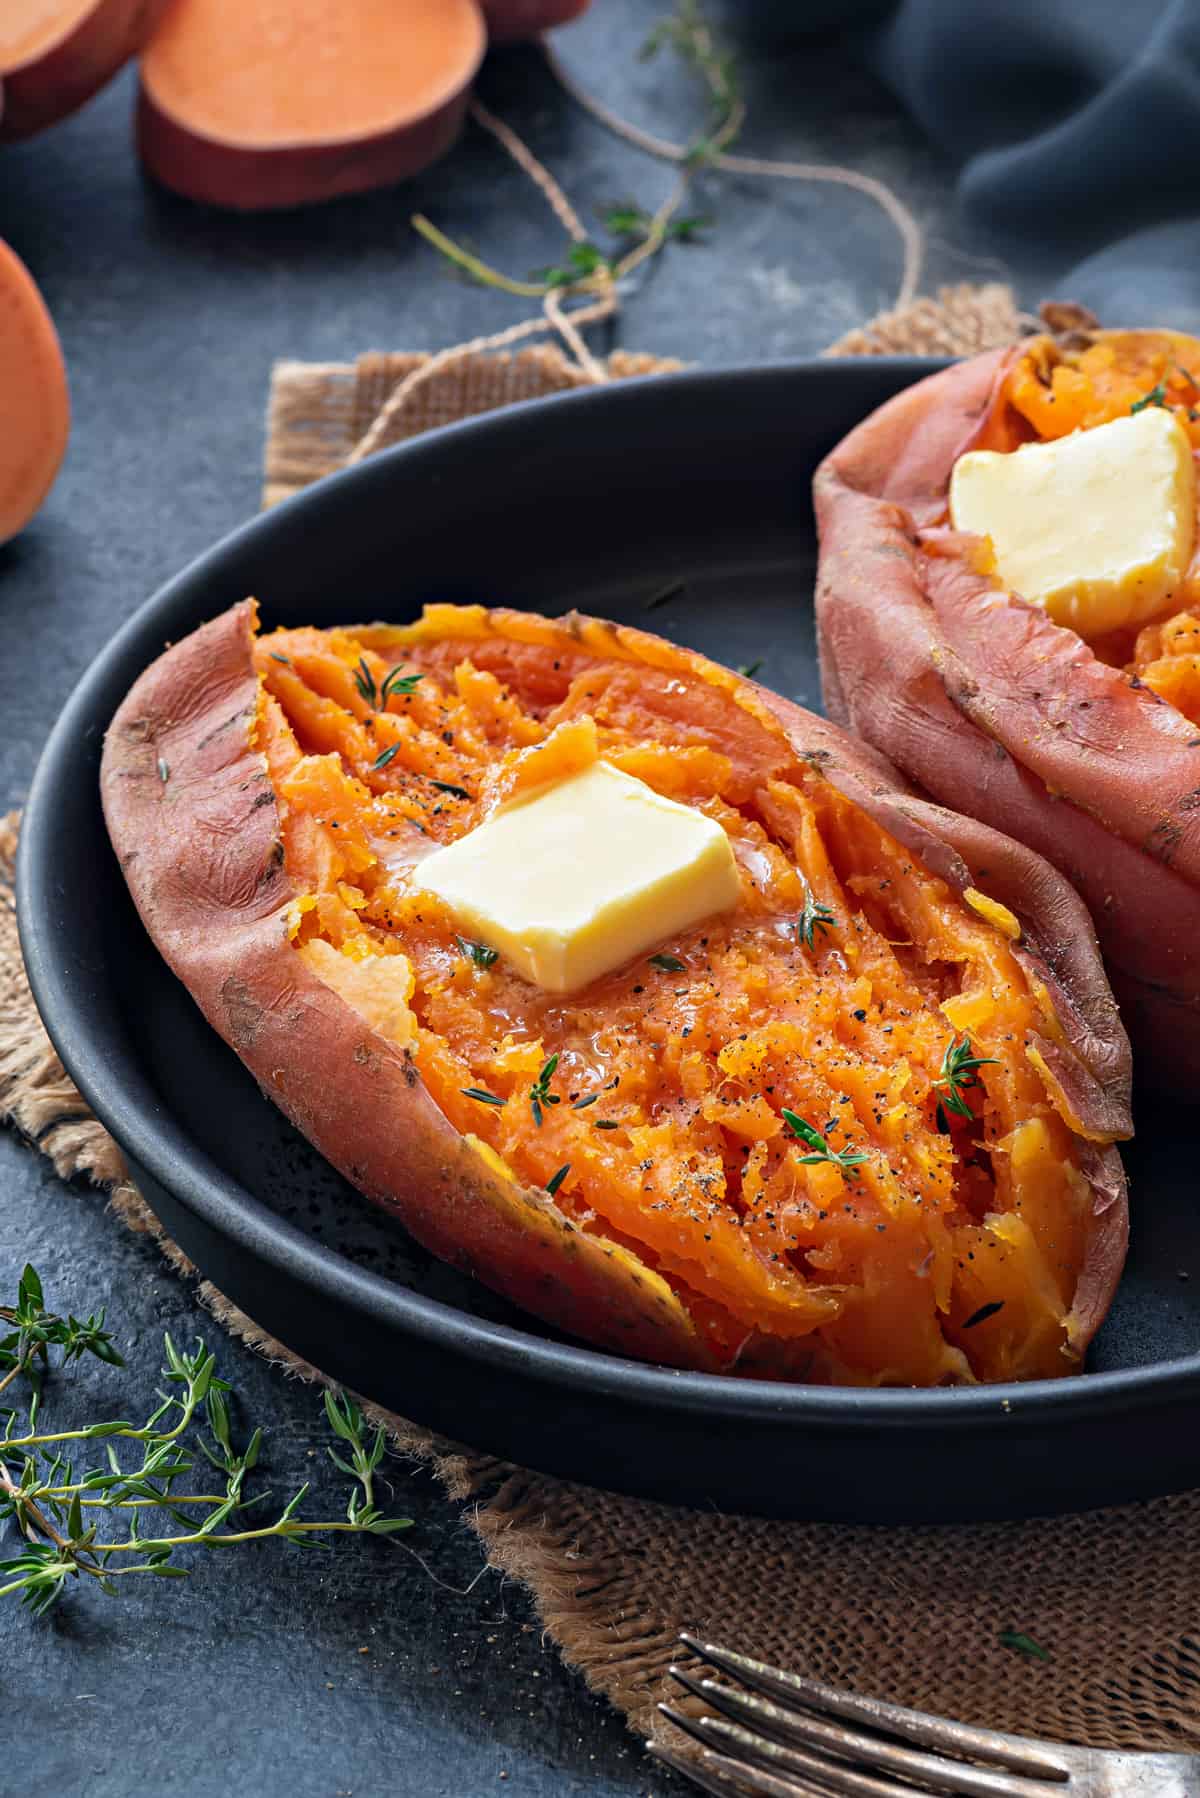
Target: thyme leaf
(481, 1095)
(814, 917)
(447, 786)
(983, 1313)
(958, 1073)
(818, 1145)
(364, 680)
(540, 1094)
(556, 1179)
(670, 964)
(482, 954)
(1017, 1640)
(396, 683)
(386, 755)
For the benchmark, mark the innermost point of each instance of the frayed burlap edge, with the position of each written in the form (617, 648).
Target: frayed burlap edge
(916, 1614)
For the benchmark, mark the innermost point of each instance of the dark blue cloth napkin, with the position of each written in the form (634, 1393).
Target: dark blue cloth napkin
(1076, 126)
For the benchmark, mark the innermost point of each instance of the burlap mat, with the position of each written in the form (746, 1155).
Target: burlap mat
(914, 1614)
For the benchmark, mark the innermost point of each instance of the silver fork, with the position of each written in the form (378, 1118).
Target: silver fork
(785, 1736)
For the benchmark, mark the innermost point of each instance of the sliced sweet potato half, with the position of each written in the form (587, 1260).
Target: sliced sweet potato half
(1001, 713)
(35, 410)
(55, 54)
(267, 800)
(250, 105)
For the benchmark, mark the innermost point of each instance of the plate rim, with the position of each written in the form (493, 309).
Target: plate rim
(177, 1162)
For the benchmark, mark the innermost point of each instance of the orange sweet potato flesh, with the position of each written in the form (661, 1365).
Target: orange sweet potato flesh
(35, 411)
(268, 808)
(1088, 754)
(55, 54)
(251, 105)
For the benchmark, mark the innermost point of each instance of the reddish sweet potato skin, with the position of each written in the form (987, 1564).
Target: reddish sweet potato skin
(998, 712)
(263, 180)
(510, 20)
(202, 854)
(64, 77)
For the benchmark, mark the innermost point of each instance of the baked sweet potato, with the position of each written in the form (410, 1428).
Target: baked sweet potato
(1087, 753)
(925, 996)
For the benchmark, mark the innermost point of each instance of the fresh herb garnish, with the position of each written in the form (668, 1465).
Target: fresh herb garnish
(983, 1313)
(164, 771)
(386, 755)
(821, 1151)
(481, 1094)
(958, 1073)
(395, 682)
(91, 1523)
(606, 1124)
(480, 953)
(1017, 1640)
(583, 261)
(278, 658)
(587, 1099)
(1157, 396)
(750, 669)
(364, 680)
(556, 1179)
(670, 964)
(446, 786)
(539, 1092)
(814, 917)
(632, 221)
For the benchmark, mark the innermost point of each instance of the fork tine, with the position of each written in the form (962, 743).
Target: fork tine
(698, 1771)
(837, 1743)
(817, 1772)
(939, 1733)
(725, 1779)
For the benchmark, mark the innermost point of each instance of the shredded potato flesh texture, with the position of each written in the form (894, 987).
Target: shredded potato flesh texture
(667, 1098)
(1050, 392)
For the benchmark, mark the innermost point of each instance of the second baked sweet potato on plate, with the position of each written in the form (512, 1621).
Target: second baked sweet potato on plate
(1008, 607)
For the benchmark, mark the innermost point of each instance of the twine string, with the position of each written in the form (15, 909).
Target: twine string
(601, 297)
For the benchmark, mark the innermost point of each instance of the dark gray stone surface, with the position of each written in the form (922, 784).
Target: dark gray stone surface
(251, 1677)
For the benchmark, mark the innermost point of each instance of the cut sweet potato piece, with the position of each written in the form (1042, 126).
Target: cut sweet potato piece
(55, 54)
(250, 105)
(35, 412)
(628, 1166)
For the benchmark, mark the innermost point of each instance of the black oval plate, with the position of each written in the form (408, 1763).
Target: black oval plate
(679, 503)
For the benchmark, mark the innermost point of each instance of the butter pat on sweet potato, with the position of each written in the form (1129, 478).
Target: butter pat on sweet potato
(572, 881)
(1097, 527)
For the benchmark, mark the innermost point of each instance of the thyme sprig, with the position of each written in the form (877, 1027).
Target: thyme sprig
(540, 1094)
(813, 917)
(819, 1149)
(957, 1074)
(586, 270)
(90, 1523)
(395, 683)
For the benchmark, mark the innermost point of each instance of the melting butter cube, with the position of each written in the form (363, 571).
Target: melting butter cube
(581, 875)
(1096, 527)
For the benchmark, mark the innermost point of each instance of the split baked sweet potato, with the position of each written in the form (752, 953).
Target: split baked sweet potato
(1088, 752)
(857, 1129)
